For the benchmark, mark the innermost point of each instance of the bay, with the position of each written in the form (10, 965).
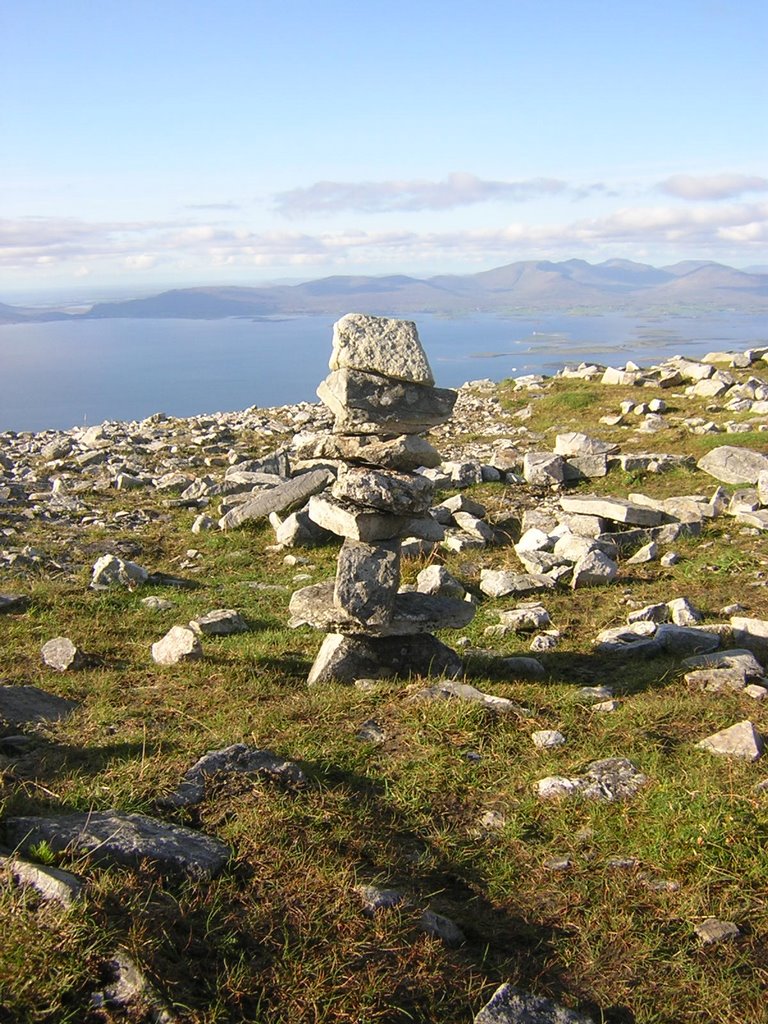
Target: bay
(63, 374)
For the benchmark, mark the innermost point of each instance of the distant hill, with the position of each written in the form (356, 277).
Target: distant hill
(529, 286)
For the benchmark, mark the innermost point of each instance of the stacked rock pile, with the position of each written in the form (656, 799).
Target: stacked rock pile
(382, 395)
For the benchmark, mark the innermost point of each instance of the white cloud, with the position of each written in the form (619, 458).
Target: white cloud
(459, 189)
(716, 186)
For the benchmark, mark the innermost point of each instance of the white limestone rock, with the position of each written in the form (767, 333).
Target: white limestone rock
(379, 345)
(741, 740)
(109, 570)
(179, 644)
(733, 465)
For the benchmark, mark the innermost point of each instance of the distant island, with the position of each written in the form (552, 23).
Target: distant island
(572, 286)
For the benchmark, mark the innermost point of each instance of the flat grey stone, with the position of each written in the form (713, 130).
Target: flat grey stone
(237, 759)
(347, 520)
(450, 689)
(734, 658)
(510, 1005)
(607, 780)
(616, 510)
(411, 613)
(575, 443)
(28, 705)
(53, 884)
(733, 465)
(219, 622)
(277, 499)
(179, 644)
(542, 469)
(686, 640)
(12, 603)
(157, 604)
(111, 837)
(366, 403)
(712, 930)
(543, 739)
(377, 344)
(741, 740)
(502, 582)
(717, 680)
(345, 659)
(683, 613)
(650, 613)
(526, 618)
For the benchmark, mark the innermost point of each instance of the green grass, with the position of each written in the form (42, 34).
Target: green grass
(279, 936)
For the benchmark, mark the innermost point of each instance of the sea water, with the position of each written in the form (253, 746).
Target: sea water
(63, 374)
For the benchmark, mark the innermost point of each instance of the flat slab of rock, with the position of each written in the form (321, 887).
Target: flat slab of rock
(28, 705)
(130, 994)
(405, 453)
(53, 884)
(741, 740)
(12, 603)
(617, 510)
(179, 644)
(411, 613)
(510, 1005)
(736, 658)
(380, 345)
(614, 778)
(440, 927)
(114, 838)
(751, 634)
(712, 930)
(452, 690)
(344, 659)
(367, 403)
(235, 760)
(347, 520)
(732, 465)
(502, 582)
(219, 622)
(277, 499)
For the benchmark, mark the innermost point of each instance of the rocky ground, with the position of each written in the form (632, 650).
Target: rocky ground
(608, 526)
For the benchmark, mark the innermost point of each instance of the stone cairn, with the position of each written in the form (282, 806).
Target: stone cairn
(382, 395)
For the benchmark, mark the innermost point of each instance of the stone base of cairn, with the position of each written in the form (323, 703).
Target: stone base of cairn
(382, 394)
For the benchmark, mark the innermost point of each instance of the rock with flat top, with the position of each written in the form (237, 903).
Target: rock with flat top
(617, 510)
(440, 927)
(450, 689)
(367, 403)
(713, 930)
(741, 740)
(219, 622)
(111, 837)
(367, 580)
(593, 569)
(53, 884)
(347, 520)
(284, 496)
(752, 634)
(345, 659)
(502, 582)
(12, 603)
(435, 579)
(732, 465)
(510, 1005)
(405, 453)
(575, 443)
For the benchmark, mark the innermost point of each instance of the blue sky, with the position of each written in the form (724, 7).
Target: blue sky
(167, 142)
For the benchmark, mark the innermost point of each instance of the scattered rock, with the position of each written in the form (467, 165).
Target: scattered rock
(129, 991)
(741, 740)
(61, 654)
(442, 928)
(179, 644)
(109, 570)
(53, 884)
(220, 622)
(235, 760)
(712, 930)
(28, 705)
(111, 837)
(546, 738)
(509, 1005)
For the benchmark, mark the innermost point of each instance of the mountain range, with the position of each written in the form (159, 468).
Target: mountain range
(530, 286)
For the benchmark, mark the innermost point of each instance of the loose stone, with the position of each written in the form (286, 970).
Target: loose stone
(61, 654)
(179, 644)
